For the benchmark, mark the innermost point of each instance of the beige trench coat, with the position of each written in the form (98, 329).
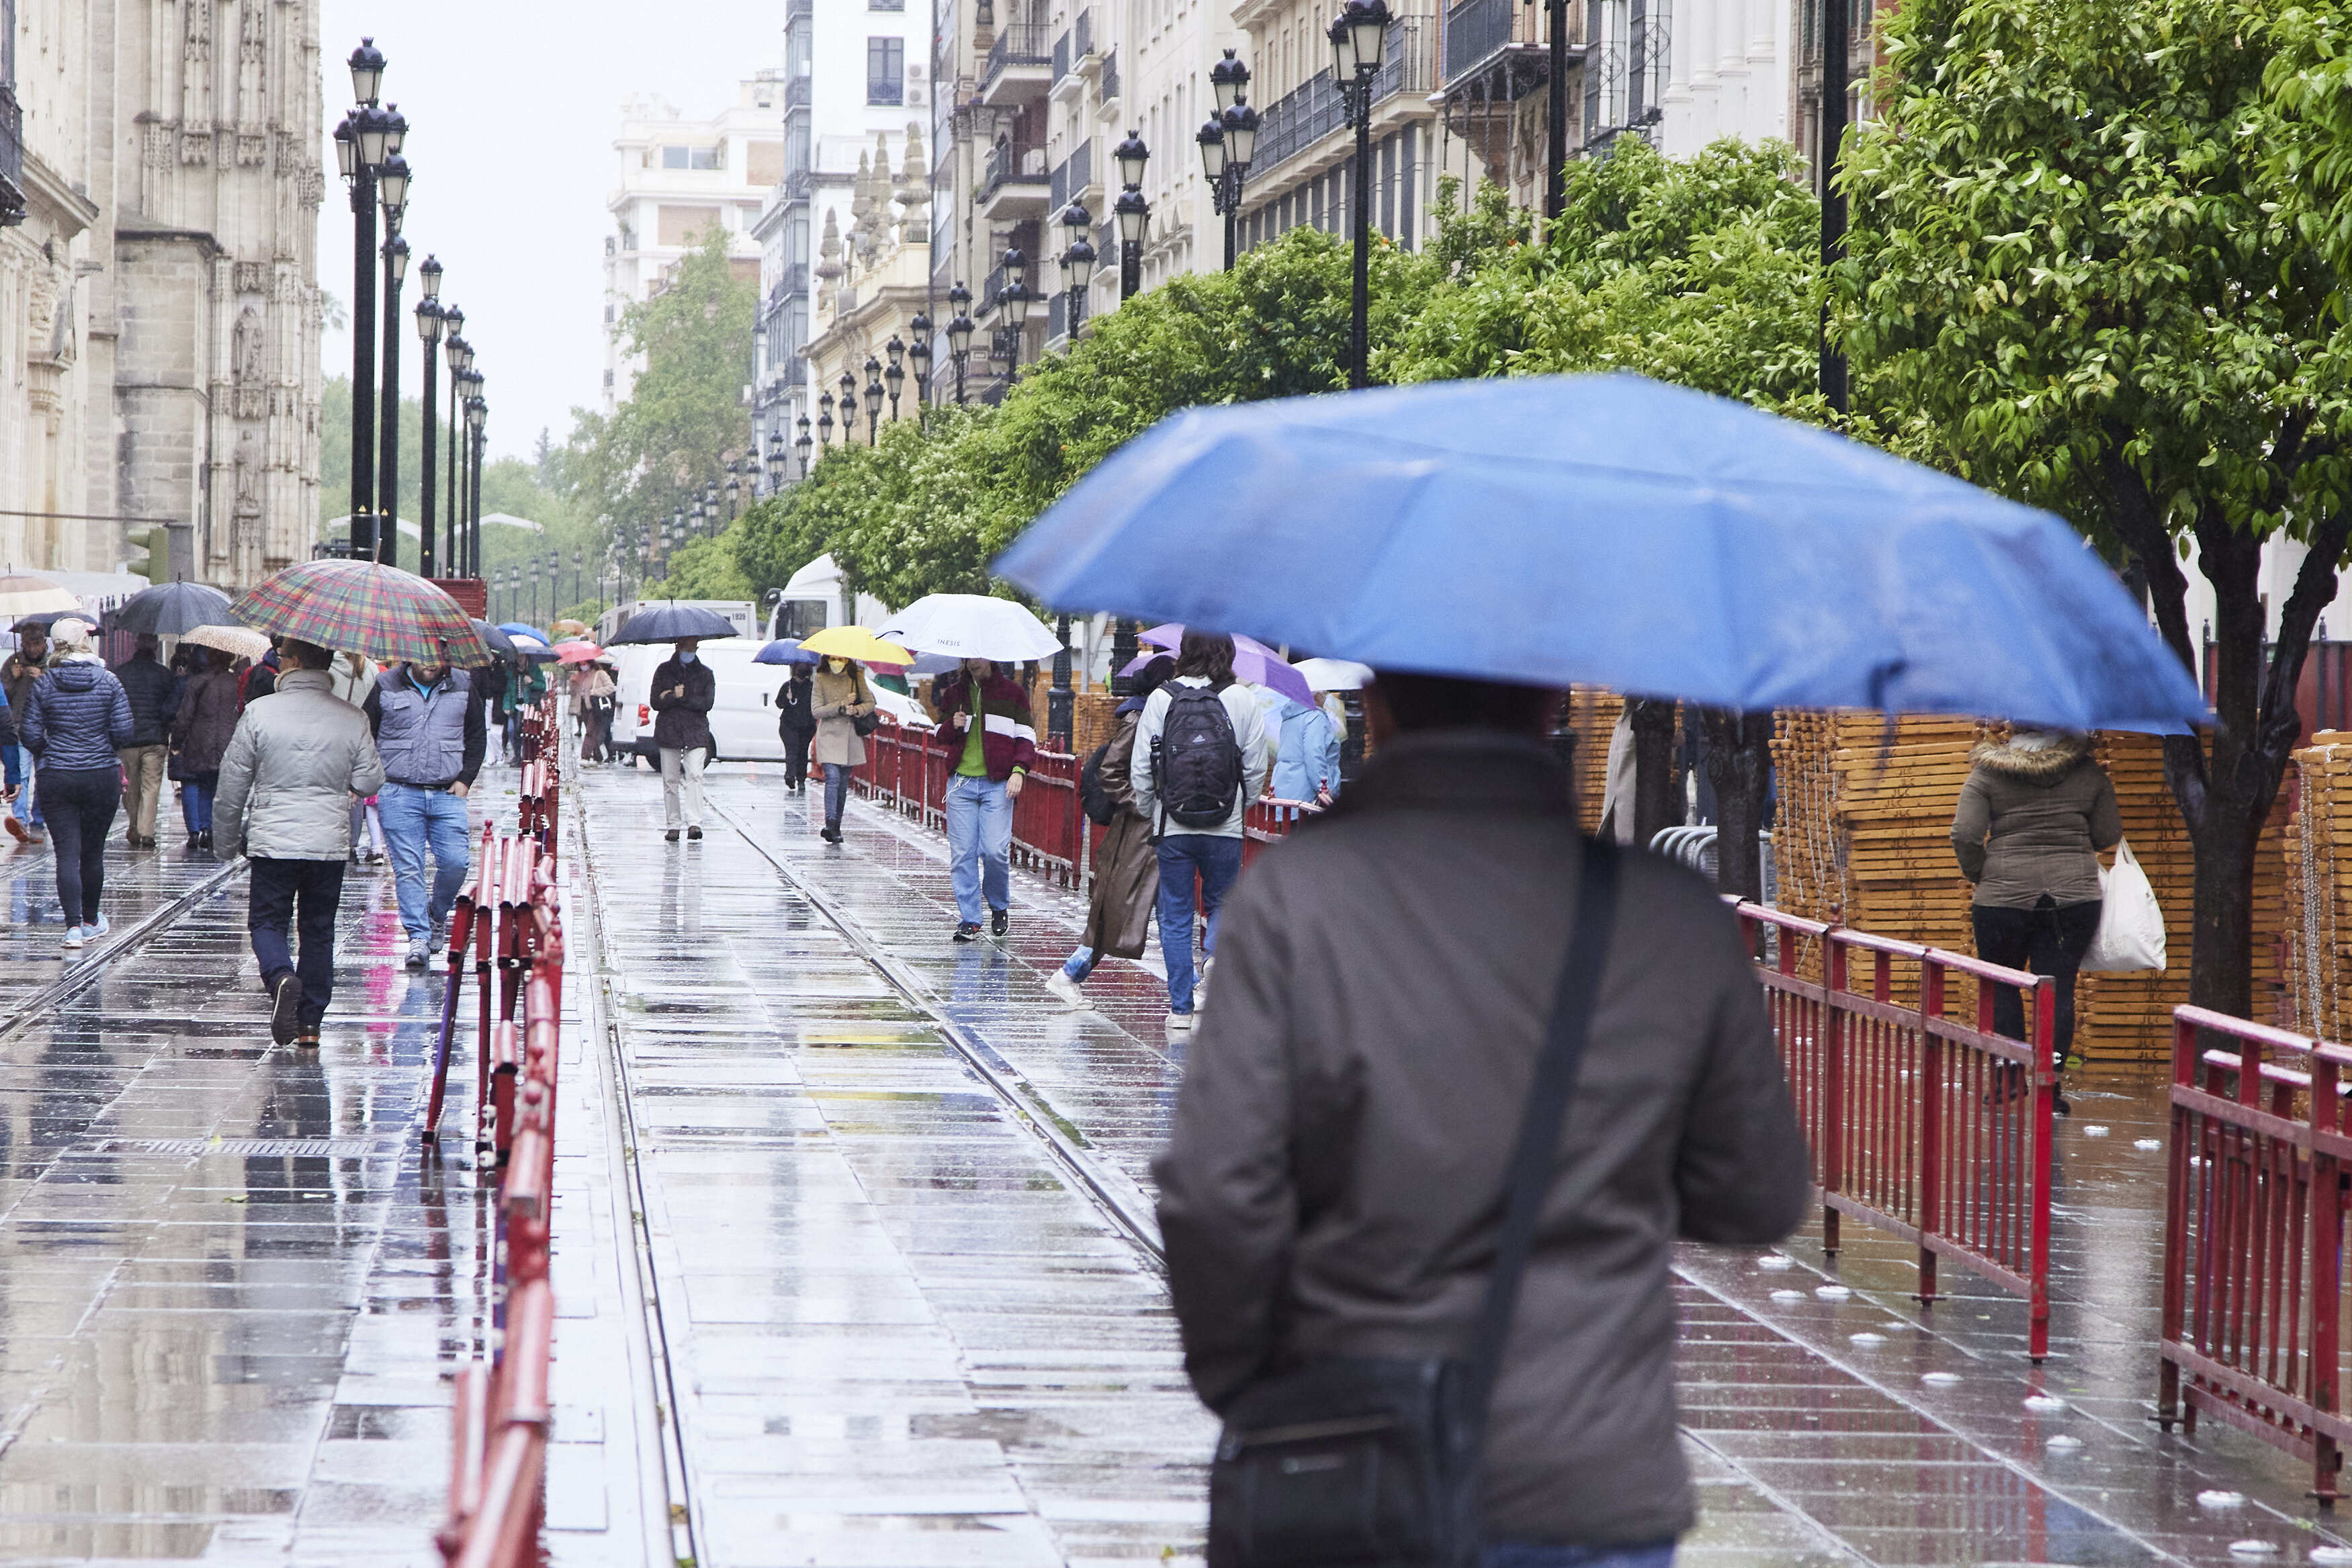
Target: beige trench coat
(837, 737)
(1127, 863)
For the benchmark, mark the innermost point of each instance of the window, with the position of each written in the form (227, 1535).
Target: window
(886, 70)
(693, 158)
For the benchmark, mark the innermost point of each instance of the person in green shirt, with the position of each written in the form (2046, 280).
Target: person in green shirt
(998, 745)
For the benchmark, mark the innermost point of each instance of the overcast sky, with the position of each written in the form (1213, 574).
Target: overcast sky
(511, 113)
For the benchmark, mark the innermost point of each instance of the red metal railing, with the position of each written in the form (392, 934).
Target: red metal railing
(2253, 1237)
(1269, 821)
(1930, 1127)
(507, 922)
(907, 770)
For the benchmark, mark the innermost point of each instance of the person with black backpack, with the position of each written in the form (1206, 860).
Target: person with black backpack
(1200, 757)
(1127, 865)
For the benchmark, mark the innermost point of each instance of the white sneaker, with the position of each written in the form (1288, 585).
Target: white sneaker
(1200, 984)
(1180, 1023)
(1062, 985)
(75, 936)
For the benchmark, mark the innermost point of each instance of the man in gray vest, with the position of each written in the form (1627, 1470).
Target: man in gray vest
(431, 735)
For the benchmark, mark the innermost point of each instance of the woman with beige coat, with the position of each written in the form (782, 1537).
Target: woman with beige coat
(841, 699)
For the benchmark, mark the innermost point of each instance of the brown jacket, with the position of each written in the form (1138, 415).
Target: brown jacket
(206, 719)
(1127, 863)
(1333, 1181)
(2030, 820)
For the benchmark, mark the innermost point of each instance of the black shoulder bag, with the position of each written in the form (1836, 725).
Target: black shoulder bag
(1373, 1462)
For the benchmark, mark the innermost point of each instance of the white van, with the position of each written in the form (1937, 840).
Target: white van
(742, 718)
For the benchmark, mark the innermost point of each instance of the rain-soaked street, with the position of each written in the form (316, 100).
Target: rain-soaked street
(855, 1256)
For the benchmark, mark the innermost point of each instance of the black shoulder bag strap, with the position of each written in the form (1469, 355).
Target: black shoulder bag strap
(1535, 1159)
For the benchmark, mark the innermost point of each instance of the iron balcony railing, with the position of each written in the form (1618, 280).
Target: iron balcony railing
(885, 90)
(12, 157)
(1082, 35)
(798, 182)
(1006, 161)
(1306, 115)
(1020, 44)
(992, 289)
(1111, 76)
(797, 92)
(790, 279)
(1073, 175)
(1478, 30)
(1060, 57)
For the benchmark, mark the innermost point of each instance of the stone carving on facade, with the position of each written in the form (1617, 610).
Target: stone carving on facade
(250, 362)
(197, 81)
(828, 266)
(914, 191)
(252, 276)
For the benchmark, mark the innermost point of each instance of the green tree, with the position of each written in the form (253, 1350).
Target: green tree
(2077, 271)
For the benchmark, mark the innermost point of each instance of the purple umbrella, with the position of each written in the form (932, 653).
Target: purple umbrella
(1253, 661)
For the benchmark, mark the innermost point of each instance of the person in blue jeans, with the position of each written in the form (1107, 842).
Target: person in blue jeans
(1178, 741)
(431, 735)
(986, 718)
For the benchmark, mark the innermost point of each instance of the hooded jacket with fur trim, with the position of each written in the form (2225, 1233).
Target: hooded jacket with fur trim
(2031, 817)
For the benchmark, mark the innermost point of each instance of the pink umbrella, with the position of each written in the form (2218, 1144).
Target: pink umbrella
(1253, 661)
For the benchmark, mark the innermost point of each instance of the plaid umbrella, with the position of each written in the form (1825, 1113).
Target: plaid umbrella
(380, 610)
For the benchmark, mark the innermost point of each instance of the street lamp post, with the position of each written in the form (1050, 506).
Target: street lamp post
(454, 350)
(1228, 141)
(873, 400)
(391, 191)
(1358, 38)
(1061, 702)
(735, 489)
(1077, 263)
(824, 421)
(894, 374)
(1132, 212)
(359, 151)
(428, 336)
(1836, 48)
(776, 455)
(848, 407)
(1016, 306)
(960, 332)
(477, 413)
(919, 357)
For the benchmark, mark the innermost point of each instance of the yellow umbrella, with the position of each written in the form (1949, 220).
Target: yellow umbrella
(576, 628)
(855, 642)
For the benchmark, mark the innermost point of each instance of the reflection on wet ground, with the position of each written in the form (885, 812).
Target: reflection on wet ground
(1809, 1446)
(227, 1273)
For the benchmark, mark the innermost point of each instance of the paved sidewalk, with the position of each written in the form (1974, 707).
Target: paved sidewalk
(1809, 1445)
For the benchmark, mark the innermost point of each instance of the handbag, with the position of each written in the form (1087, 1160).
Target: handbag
(1374, 1462)
(2131, 922)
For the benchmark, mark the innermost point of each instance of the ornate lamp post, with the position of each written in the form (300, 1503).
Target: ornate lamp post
(1359, 37)
(1132, 212)
(392, 189)
(894, 374)
(1077, 263)
(1228, 141)
(824, 420)
(734, 488)
(873, 399)
(848, 407)
(919, 357)
(454, 353)
(477, 413)
(1017, 307)
(960, 332)
(360, 151)
(428, 336)
(776, 457)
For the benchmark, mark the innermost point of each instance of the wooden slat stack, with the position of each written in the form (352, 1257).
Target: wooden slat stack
(1593, 714)
(2128, 1017)
(2316, 858)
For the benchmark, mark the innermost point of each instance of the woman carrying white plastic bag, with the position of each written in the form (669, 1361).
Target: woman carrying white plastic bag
(2035, 812)
(2131, 922)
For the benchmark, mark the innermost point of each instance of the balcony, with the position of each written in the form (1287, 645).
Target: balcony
(1305, 115)
(797, 92)
(1074, 53)
(1109, 90)
(1020, 67)
(12, 157)
(1496, 50)
(886, 91)
(1073, 179)
(1016, 184)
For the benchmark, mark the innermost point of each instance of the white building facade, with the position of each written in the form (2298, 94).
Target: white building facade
(679, 178)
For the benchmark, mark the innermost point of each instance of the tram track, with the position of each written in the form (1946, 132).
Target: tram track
(94, 965)
(1108, 1189)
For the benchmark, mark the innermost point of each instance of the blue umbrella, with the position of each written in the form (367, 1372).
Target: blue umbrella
(783, 651)
(1610, 530)
(523, 629)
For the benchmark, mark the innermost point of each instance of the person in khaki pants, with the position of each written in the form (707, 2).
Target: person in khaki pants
(154, 694)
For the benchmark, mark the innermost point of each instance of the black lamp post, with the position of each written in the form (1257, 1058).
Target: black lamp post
(1228, 141)
(1061, 702)
(734, 489)
(395, 271)
(477, 413)
(1836, 48)
(1132, 212)
(1359, 37)
(454, 350)
(358, 152)
(1016, 306)
(873, 399)
(919, 357)
(428, 336)
(848, 407)
(960, 332)
(1077, 263)
(710, 506)
(776, 457)
(894, 374)
(825, 419)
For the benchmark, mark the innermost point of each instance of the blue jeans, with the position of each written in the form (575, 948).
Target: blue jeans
(195, 802)
(28, 798)
(1183, 856)
(980, 846)
(1080, 965)
(430, 836)
(836, 790)
(1546, 1554)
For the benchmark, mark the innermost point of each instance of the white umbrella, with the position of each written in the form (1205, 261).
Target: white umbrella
(29, 594)
(1335, 674)
(971, 626)
(240, 642)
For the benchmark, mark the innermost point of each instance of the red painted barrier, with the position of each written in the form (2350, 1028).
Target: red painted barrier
(2255, 1204)
(1930, 1127)
(498, 1464)
(907, 771)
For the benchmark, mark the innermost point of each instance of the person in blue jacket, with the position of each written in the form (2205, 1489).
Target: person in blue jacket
(1307, 768)
(77, 716)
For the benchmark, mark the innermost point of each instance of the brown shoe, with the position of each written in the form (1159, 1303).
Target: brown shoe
(17, 830)
(307, 1040)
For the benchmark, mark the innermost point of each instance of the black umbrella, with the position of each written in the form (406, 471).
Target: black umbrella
(668, 623)
(47, 618)
(500, 644)
(171, 610)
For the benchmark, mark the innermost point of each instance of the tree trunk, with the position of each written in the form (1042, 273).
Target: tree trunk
(1655, 808)
(1740, 765)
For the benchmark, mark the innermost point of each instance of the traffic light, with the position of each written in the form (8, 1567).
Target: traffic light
(150, 552)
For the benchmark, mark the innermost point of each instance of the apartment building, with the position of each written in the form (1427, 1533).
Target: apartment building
(856, 98)
(679, 178)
